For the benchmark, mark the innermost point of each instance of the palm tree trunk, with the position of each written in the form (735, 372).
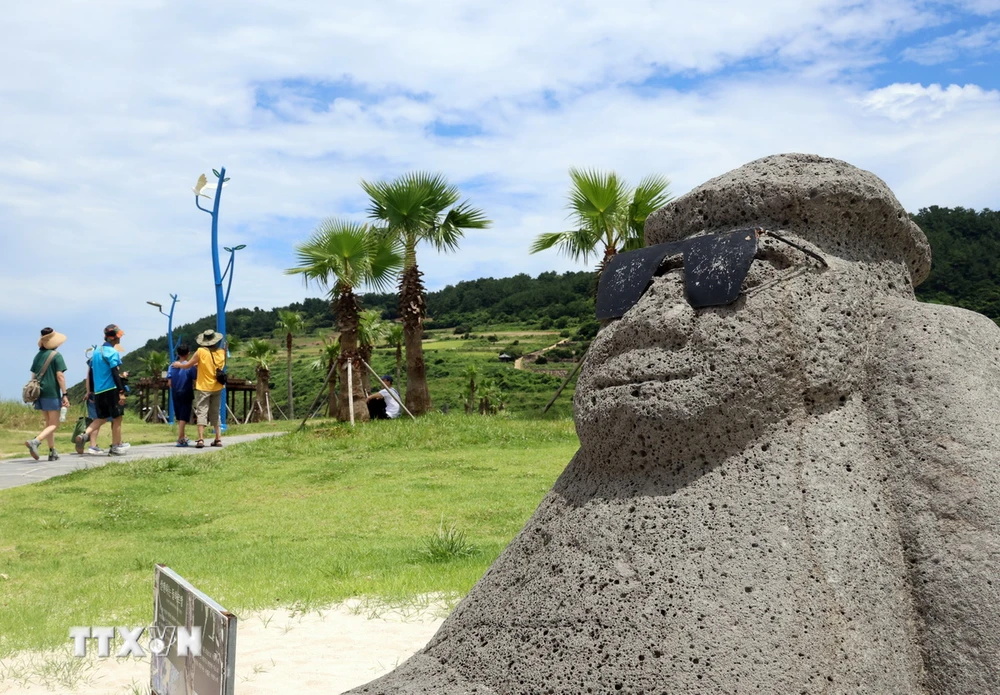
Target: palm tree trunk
(347, 317)
(331, 396)
(366, 355)
(291, 402)
(411, 307)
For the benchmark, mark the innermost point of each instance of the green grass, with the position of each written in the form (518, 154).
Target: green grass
(390, 510)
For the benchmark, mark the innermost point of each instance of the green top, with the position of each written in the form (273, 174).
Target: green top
(50, 386)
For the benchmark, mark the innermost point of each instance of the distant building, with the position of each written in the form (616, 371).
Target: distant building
(504, 357)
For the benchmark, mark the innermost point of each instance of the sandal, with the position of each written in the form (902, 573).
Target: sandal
(217, 442)
(200, 444)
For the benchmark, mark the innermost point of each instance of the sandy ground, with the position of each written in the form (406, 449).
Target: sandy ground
(277, 652)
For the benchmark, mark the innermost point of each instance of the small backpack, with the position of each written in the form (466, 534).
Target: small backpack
(32, 391)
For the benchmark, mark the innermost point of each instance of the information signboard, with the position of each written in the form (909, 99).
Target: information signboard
(198, 640)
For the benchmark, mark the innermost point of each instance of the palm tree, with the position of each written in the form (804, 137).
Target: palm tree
(395, 340)
(290, 323)
(414, 208)
(260, 353)
(608, 216)
(371, 331)
(343, 255)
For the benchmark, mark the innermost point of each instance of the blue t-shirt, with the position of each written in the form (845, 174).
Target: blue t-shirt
(182, 380)
(104, 359)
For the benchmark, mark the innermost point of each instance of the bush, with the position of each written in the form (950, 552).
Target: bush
(541, 359)
(561, 322)
(491, 338)
(560, 353)
(564, 334)
(462, 329)
(587, 330)
(545, 323)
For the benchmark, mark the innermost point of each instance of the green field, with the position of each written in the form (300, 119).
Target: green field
(391, 510)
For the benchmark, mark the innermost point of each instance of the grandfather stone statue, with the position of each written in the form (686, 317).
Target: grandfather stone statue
(790, 484)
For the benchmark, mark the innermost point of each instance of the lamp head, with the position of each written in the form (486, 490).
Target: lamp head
(157, 305)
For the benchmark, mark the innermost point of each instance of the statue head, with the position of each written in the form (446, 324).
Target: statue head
(671, 377)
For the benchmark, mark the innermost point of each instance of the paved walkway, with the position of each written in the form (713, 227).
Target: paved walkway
(15, 472)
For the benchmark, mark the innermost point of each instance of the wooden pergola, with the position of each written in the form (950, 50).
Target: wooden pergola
(157, 412)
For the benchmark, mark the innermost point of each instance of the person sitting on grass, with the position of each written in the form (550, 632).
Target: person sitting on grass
(48, 367)
(210, 360)
(181, 384)
(384, 405)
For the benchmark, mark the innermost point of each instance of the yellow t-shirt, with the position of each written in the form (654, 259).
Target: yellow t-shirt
(208, 362)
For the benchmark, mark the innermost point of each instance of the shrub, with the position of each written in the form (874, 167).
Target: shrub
(462, 329)
(545, 323)
(564, 334)
(561, 322)
(541, 359)
(491, 338)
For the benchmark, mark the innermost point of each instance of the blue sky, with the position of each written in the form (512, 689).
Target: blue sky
(113, 108)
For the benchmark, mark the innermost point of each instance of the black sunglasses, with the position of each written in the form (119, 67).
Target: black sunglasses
(715, 266)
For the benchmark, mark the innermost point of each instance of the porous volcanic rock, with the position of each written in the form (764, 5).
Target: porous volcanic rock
(795, 493)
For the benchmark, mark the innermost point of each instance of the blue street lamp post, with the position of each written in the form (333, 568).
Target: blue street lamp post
(220, 299)
(170, 348)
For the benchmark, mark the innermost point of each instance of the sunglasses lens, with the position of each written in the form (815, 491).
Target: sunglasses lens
(716, 265)
(627, 276)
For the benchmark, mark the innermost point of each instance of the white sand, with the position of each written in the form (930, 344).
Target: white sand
(279, 651)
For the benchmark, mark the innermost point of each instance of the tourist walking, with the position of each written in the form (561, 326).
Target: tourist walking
(49, 368)
(107, 383)
(181, 384)
(210, 358)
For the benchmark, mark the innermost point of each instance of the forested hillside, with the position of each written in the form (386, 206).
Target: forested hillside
(966, 258)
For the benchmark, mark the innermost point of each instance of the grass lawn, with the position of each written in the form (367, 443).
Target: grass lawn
(304, 520)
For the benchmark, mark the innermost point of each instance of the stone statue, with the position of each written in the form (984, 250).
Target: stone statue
(797, 492)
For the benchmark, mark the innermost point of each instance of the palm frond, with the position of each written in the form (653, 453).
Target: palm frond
(595, 196)
(260, 351)
(576, 244)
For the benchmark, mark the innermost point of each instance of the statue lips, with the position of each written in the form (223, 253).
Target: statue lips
(643, 366)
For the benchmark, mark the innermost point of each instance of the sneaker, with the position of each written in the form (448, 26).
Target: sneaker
(53, 455)
(95, 450)
(182, 442)
(80, 440)
(116, 450)
(124, 445)
(32, 445)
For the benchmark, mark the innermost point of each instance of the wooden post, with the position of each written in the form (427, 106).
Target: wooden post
(350, 390)
(563, 384)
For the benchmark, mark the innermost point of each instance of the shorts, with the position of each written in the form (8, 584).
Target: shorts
(91, 409)
(48, 404)
(207, 407)
(106, 405)
(182, 405)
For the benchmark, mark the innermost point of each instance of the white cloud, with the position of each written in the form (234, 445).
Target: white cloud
(116, 107)
(980, 43)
